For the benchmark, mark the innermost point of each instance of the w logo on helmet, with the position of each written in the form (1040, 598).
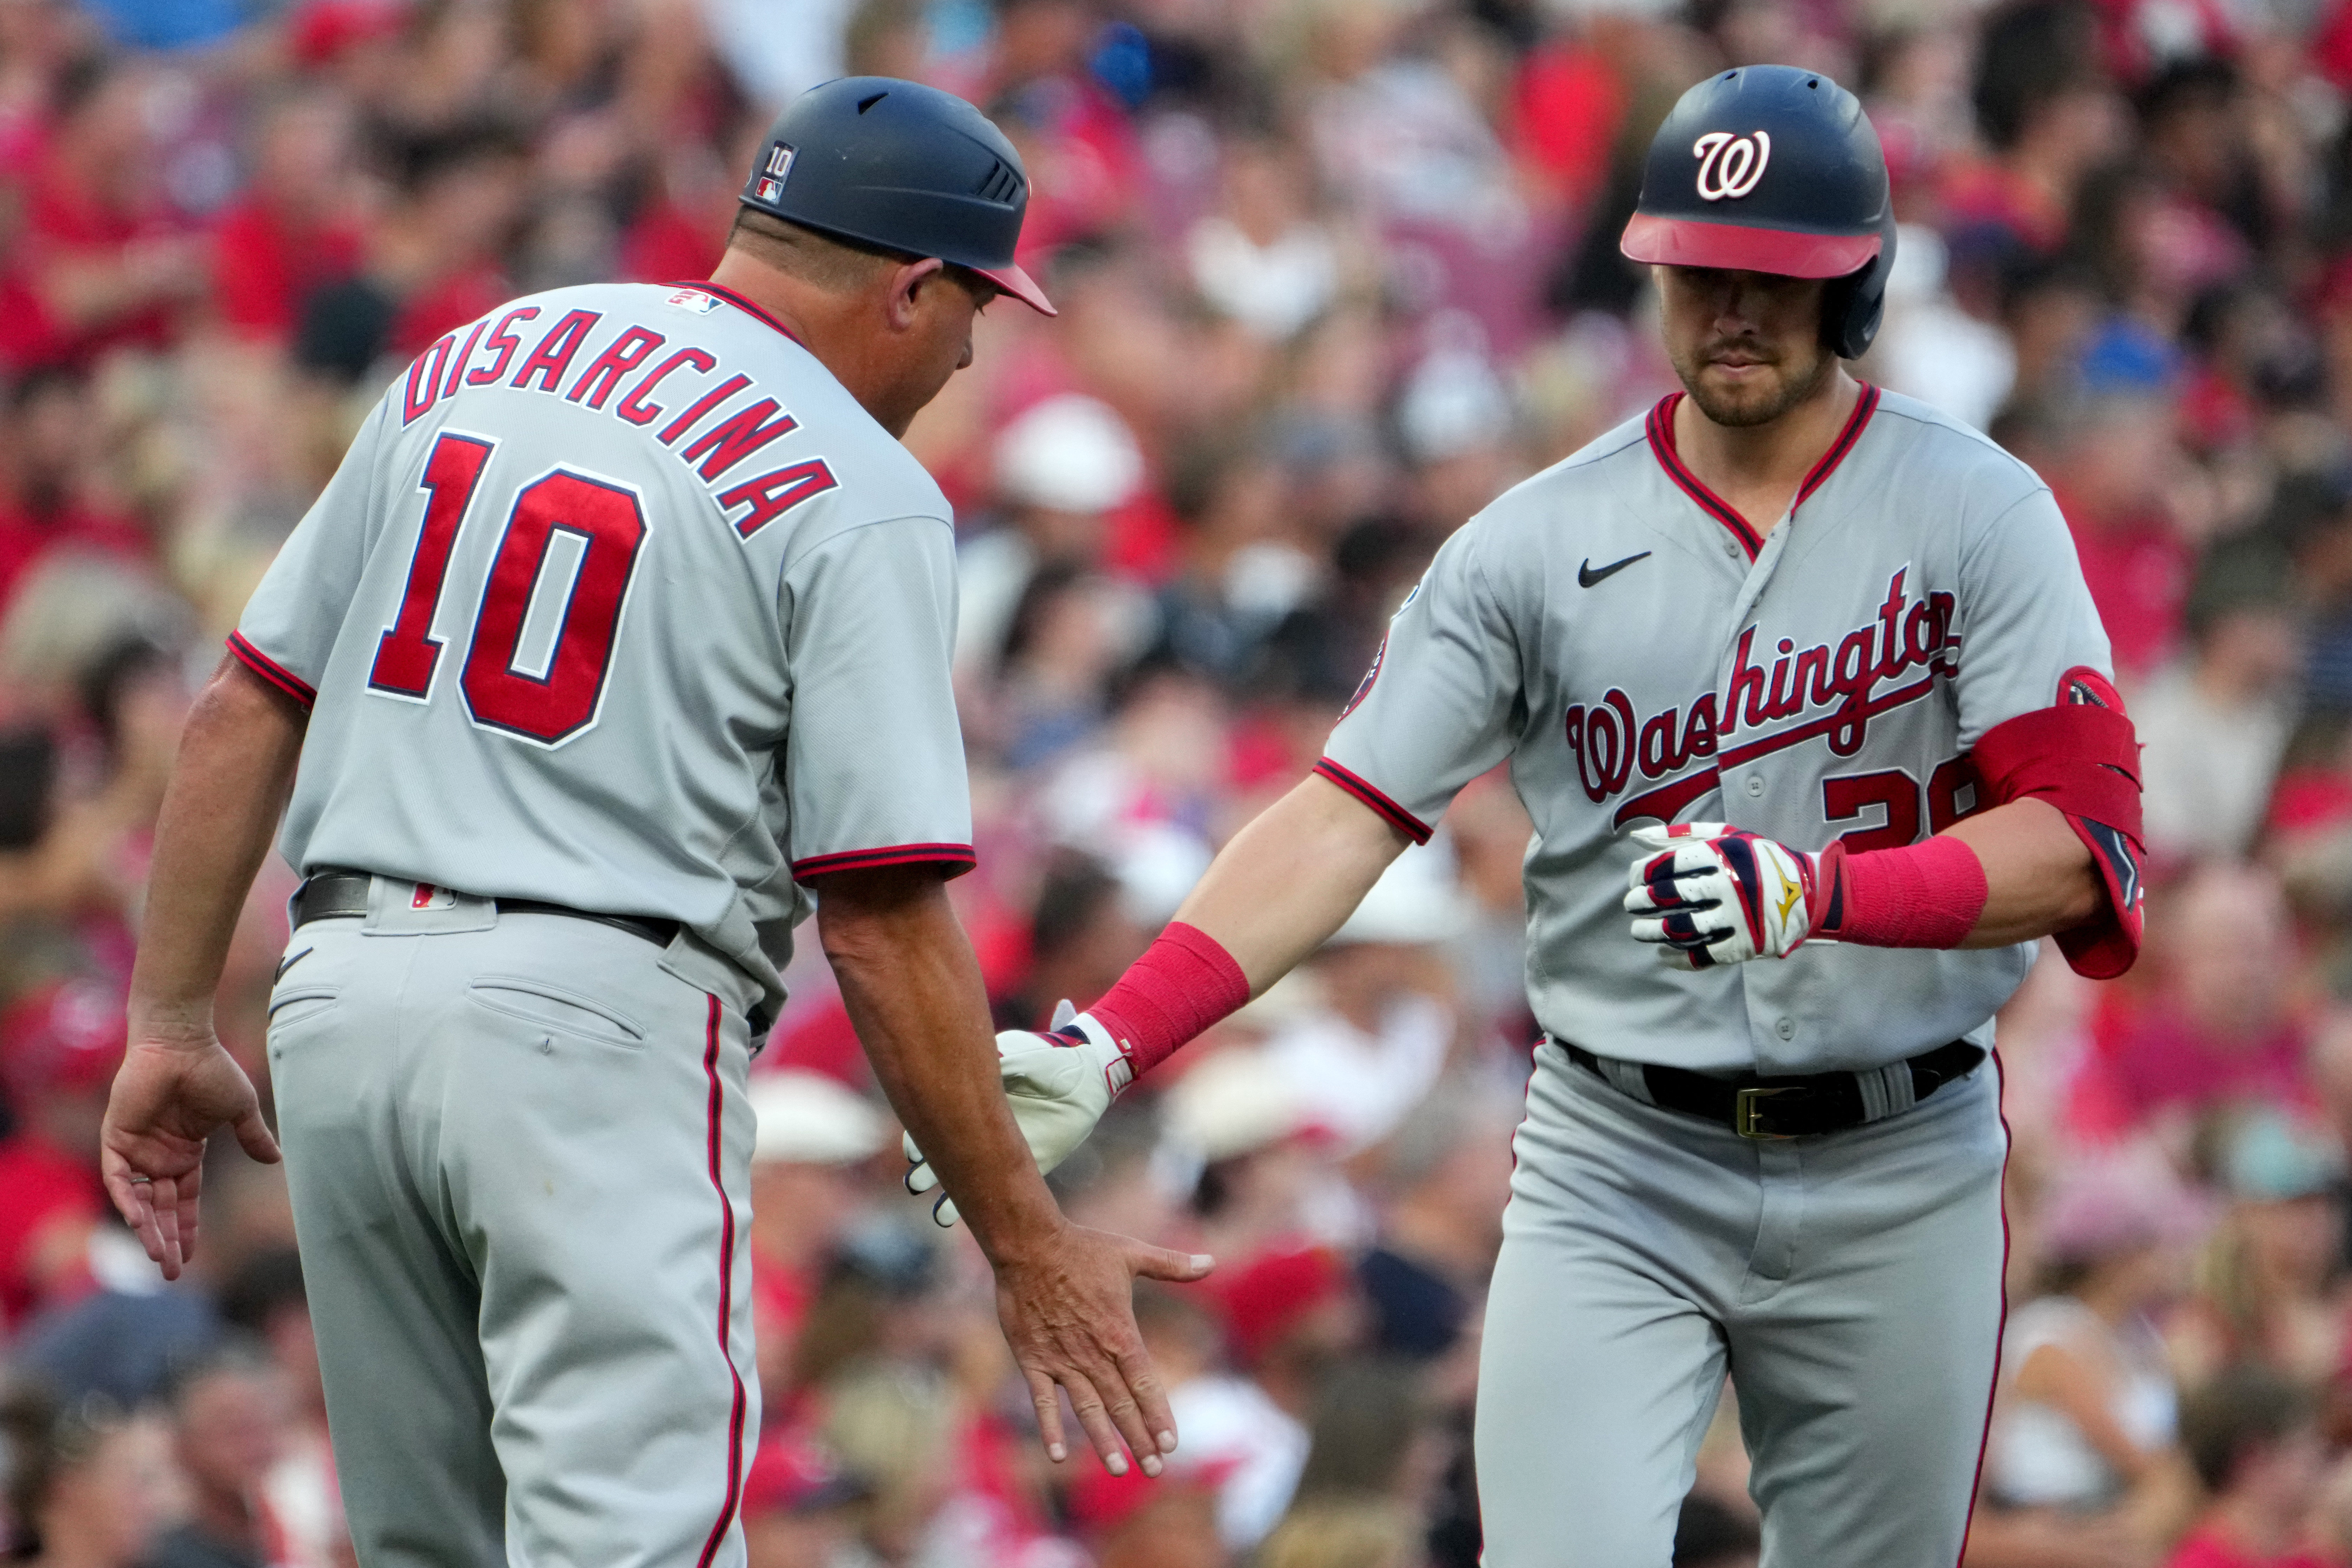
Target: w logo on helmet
(1729, 165)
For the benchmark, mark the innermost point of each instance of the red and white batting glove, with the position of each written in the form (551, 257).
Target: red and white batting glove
(1713, 894)
(1060, 1083)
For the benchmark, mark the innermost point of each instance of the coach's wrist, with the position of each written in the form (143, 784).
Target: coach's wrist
(171, 1024)
(1027, 1238)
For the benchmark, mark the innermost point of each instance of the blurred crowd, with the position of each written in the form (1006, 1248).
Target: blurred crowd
(1332, 274)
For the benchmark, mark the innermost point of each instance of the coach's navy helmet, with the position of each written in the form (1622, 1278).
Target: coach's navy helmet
(903, 166)
(1774, 169)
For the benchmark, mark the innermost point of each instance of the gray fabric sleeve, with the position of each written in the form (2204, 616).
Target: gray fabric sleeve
(290, 624)
(1440, 703)
(2025, 616)
(872, 760)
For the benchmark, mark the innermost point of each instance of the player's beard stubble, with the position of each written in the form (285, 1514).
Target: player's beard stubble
(1757, 400)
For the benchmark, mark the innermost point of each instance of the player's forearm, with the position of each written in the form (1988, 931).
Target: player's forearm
(1290, 879)
(2039, 878)
(914, 993)
(229, 784)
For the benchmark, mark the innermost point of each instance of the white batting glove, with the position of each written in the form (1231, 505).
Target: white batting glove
(1710, 894)
(1059, 1082)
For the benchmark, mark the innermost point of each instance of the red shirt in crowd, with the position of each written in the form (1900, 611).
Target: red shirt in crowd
(2145, 1058)
(46, 1200)
(664, 243)
(266, 268)
(2206, 1549)
(59, 219)
(2137, 571)
(1567, 106)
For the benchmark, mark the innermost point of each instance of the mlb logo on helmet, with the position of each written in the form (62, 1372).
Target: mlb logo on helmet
(1729, 165)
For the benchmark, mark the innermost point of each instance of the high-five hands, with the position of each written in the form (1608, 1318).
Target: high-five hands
(1059, 1082)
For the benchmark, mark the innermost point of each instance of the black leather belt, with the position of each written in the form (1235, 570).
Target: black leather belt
(327, 895)
(1755, 1106)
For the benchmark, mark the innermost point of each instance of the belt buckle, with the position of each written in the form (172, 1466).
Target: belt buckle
(1747, 1113)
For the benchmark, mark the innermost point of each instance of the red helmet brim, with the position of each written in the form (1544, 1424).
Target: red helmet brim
(1733, 248)
(1021, 286)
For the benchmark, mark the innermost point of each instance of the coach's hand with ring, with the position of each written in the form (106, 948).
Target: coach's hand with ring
(177, 1086)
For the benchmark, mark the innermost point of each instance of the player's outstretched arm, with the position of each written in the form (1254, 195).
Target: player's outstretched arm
(1275, 894)
(1290, 879)
(1065, 1294)
(177, 1085)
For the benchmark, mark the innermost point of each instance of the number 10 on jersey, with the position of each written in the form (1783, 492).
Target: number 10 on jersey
(558, 697)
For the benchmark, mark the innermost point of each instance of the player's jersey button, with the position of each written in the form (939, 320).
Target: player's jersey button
(1786, 1029)
(1755, 785)
(1732, 548)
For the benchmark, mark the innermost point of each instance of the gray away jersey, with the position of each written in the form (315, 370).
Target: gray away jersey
(620, 601)
(1621, 634)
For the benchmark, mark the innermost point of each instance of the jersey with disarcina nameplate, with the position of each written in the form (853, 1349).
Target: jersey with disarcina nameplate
(620, 601)
(1639, 656)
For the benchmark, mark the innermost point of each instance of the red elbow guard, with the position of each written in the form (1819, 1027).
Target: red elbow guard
(2082, 757)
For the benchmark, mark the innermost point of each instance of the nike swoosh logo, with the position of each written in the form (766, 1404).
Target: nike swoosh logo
(1586, 576)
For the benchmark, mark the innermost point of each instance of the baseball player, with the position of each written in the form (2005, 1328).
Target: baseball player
(621, 632)
(1819, 663)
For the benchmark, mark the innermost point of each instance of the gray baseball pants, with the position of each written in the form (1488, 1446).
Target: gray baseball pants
(518, 1151)
(1851, 1284)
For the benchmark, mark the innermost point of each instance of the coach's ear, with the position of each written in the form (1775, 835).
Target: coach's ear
(904, 303)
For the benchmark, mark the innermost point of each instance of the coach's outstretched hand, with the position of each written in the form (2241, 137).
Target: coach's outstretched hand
(1058, 1083)
(1069, 1316)
(175, 1088)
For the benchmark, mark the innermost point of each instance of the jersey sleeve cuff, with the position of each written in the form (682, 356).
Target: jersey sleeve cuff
(271, 670)
(954, 859)
(1396, 817)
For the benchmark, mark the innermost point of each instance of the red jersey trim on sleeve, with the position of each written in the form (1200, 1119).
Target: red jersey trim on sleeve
(271, 670)
(1396, 816)
(959, 856)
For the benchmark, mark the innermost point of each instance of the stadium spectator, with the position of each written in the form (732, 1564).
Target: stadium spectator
(2267, 1281)
(229, 1414)
(87, 1486)
(2217, 1029)
(2082, 1423)
(2250, 1437)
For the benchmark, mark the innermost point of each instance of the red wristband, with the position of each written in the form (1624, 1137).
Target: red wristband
(1923, 895)
(1184, 981)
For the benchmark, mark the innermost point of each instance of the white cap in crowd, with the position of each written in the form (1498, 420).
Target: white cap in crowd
(1417, 900)
(810, 1119)
(1068, 453)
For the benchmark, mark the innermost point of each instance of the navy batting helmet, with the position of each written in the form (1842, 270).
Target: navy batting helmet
(1774, 169)
(903, 166)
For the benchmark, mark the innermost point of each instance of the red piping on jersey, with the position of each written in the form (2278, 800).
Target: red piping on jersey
(1396, 816)
(271, 670)
(722, 291)
(1863, 407)
(960, 855)
(725, 1291)
(1661, 431)
(2000, 1334)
